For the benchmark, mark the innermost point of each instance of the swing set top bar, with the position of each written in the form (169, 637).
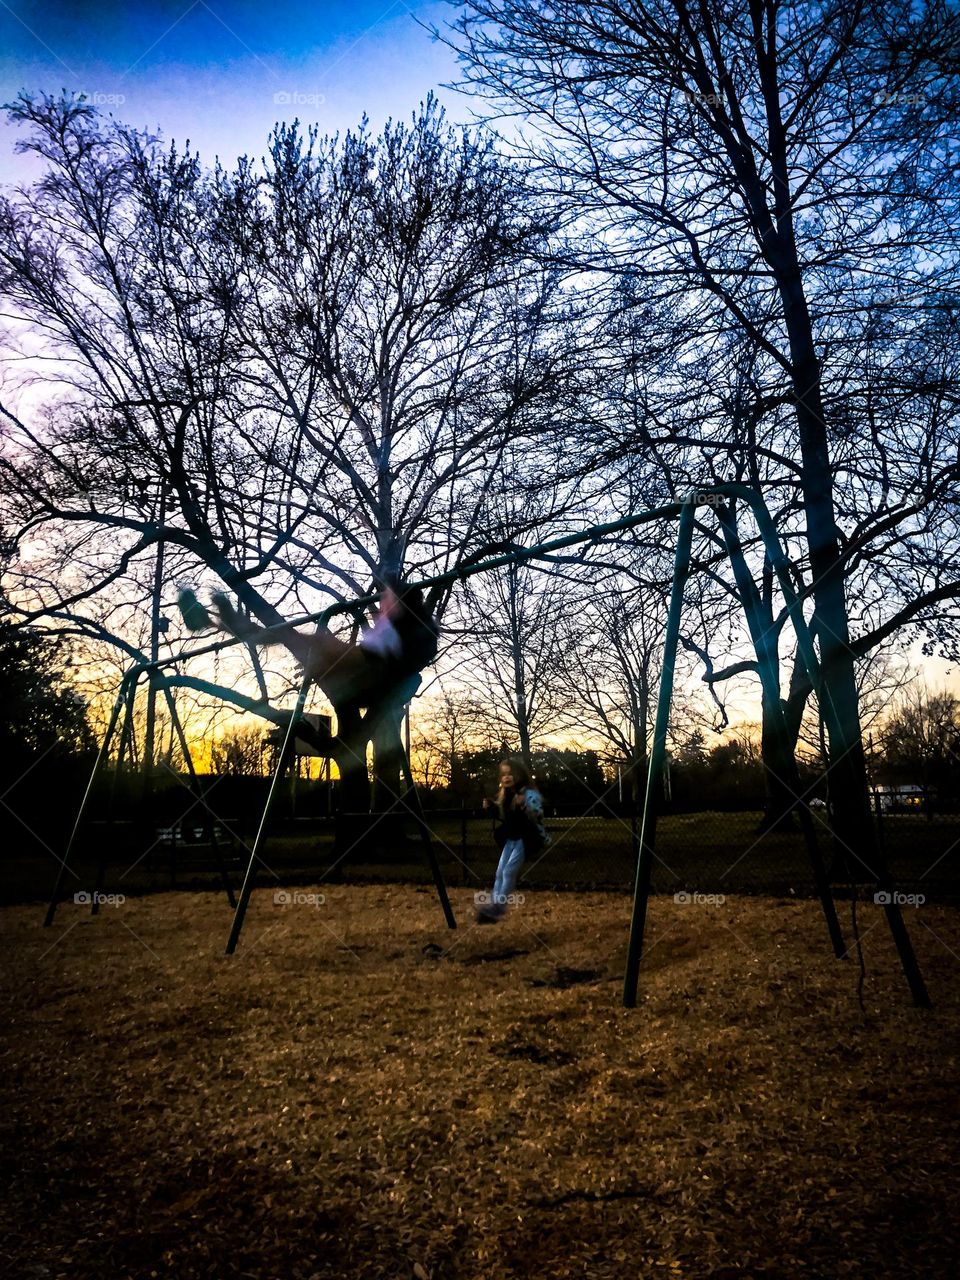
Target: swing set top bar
(701, 495)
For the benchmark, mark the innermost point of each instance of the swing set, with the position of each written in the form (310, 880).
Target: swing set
(294, 725)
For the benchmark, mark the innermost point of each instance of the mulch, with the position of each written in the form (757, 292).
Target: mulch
(361, 1093)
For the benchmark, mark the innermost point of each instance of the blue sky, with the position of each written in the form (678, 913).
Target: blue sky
(221, 72)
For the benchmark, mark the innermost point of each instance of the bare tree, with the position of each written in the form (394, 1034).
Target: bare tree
(920, 738)
(883, 675)
(610, 673)
(448, 725)
(778, 164)
(512, 631)
(296, 380)
(238, 752)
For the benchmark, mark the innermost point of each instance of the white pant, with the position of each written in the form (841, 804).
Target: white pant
(382, 639)
(511, 860)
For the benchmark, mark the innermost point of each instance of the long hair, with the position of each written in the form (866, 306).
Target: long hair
(521, 774)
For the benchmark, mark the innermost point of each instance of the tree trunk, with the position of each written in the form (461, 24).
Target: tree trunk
(636, 778)
(777, 751)
(840, 704)
(350, 753)
(852, 820)
(387, 757)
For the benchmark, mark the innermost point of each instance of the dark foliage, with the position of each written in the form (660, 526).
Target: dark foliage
(39, 713)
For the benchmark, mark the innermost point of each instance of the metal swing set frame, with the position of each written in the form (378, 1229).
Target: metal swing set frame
(716, 497)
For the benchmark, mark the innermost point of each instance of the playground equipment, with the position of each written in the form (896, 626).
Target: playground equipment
(714, 497)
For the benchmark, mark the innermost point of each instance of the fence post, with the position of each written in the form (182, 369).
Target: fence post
(463, 842)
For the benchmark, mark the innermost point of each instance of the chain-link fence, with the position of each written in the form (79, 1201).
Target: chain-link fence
(710, 852)
(177, 837)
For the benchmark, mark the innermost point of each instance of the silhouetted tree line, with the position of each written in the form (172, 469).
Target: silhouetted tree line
(46, 743)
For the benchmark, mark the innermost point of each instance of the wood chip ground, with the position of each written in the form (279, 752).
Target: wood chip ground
(361, 1093)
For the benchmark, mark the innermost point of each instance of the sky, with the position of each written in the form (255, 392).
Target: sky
(221, 72)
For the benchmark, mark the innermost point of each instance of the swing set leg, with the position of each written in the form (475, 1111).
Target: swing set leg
(431, 853)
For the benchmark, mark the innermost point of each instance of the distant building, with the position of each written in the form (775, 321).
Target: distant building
(901, 796)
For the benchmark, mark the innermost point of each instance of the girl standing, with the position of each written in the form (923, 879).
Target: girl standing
(520, 810)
